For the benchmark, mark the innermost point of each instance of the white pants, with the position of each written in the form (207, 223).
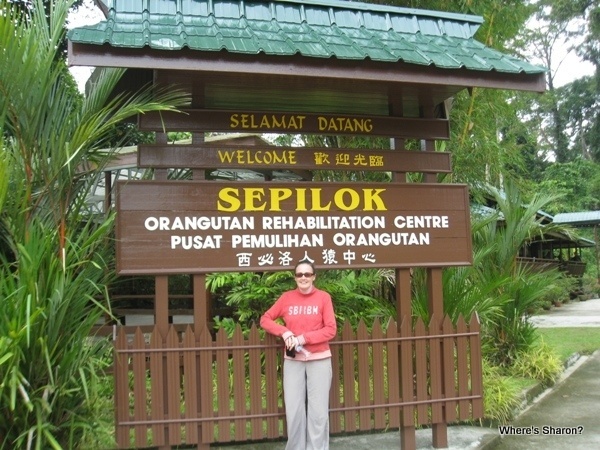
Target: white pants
(307, 384)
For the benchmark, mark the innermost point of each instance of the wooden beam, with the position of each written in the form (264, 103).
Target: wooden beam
(299, 66)
(294, 123)
(270, 157)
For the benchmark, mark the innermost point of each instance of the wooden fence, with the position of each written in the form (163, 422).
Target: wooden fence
(188, 388)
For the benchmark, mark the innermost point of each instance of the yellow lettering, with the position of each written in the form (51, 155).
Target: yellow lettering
(332, 125)
(264, 123)
(240, 156)
(316, 201)
(322, 123)
(253, 195)
(244, 120)
(274, 199)
(229, 196)
(338, 198)
(349, 126)
(292, 123)
(277, 196)
(225, 156)
(291, 157)
(373, 202)
(252, 124)
(301, 199)
(233, 121)
(277, 124)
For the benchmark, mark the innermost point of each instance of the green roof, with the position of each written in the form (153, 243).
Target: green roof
(327, 29)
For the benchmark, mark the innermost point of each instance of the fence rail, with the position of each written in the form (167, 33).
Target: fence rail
(190, 388)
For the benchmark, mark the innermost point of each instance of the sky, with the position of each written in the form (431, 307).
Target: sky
(568, 66)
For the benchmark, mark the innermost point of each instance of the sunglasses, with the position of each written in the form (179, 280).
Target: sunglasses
(304, 274)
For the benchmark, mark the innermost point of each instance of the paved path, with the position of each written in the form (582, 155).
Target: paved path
(566, 417)
(573, 314)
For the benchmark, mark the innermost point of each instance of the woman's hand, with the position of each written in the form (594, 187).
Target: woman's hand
(291, 342)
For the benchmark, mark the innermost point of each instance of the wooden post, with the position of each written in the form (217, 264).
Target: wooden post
(436, 309)
(408, 439)
(161, 304)
(201, 302)
(435, 292)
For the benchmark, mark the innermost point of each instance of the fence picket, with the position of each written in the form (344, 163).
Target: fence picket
(157, 389)
(273, 392)
(348, 371)
(139, 389)
(239, 383)
(364, 378)
(191, 376)
(449, 350)
(436, 367)
(224, 407)
(335, 394)
(393, 373)
(421, 372)
(122, 392)
(475, 366)
(407, 373)
(255, 378)
(462, 369)
(173, 385)
(203, 340)
(379, 379)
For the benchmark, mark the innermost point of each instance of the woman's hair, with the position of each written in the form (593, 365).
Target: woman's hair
(304, 261)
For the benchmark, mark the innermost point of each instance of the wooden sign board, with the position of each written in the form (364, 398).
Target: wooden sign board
(294, 123)
(205, 226)
(274, 157)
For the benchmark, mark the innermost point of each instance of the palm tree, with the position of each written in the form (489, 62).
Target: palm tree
(55, 258)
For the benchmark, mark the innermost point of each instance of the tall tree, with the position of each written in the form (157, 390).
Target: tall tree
(569, 113)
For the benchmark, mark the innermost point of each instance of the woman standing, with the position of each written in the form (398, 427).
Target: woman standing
(309, 326)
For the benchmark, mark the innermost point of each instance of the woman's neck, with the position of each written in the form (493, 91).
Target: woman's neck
(307, 290)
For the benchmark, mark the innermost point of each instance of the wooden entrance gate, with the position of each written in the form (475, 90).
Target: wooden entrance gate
(188, 388)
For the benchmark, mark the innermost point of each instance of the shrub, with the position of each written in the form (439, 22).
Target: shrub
(501, 395)
(540, 363)
(559, 291)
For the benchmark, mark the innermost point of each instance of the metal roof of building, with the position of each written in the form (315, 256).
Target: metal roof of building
(579, 219)
(315, 29)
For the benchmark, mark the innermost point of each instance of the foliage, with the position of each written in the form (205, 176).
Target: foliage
(501, 394)
(251, 294)
(501, 291)
(466, 290)
(539, 362)
(564, 180)
(55, 261)
(522, 289)
(50, 372)
(559, 291)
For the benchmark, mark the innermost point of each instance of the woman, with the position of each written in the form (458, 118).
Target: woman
(309, 326)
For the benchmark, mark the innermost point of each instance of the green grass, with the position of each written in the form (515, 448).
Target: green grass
(567, 341)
